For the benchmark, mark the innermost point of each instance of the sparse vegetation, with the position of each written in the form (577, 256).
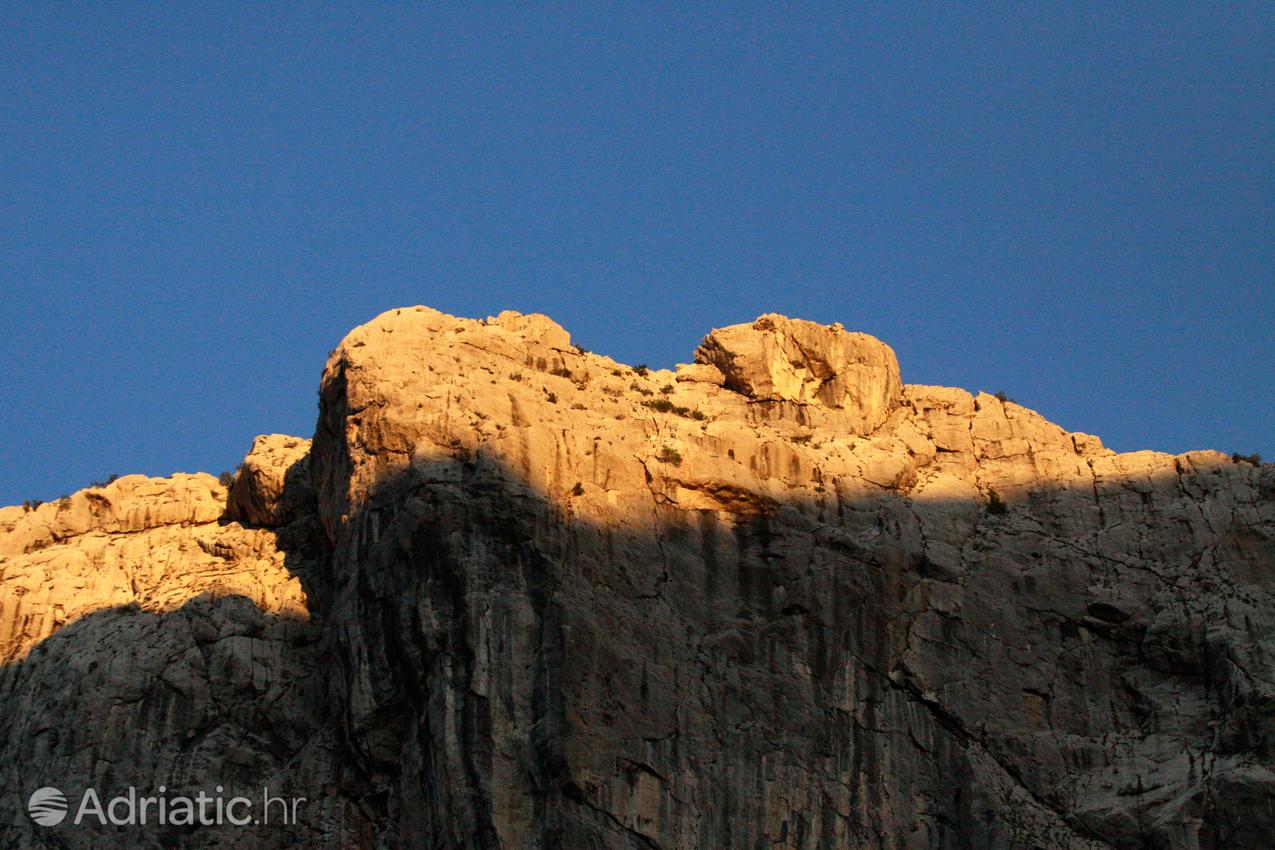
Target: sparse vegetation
(577, 490)
(1002, 398)
(616, 372)
(669, 455)
(226, 478)
(1253, 460)
(578, 406)
(642, 370)
(636, 387)
(515, 376)
(663, 405)
(111, 479)
(560, 371)
(580, 349)
(666, 389)
(551, 397)
(995, 506)
(31, 504)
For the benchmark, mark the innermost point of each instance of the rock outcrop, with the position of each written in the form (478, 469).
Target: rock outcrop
(146, 642)
(273, 483)
(780, 359)
(519, 595)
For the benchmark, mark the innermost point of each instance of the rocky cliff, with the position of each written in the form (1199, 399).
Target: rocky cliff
(518, 595)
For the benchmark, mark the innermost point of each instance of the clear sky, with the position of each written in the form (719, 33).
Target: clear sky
(1072, 203)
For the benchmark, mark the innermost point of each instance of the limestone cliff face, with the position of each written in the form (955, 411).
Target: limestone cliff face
(518, 595)
(147, 642)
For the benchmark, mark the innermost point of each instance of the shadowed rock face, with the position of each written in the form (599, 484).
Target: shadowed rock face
(147, 643)
(767, 600)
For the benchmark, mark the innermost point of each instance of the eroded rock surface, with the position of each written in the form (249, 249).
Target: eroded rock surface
(148, 642)
(272, 485)
(780, 359)
(524, 596)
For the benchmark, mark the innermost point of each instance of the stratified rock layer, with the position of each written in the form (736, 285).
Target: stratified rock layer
(775, 599)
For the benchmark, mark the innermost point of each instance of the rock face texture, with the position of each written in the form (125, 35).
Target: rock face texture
(517, 595)
(272, 485)
(148, 643)
(781, 359)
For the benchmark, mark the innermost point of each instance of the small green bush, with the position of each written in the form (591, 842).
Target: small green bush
(663, 405)
(226, 478)
(1254, 459)
(577, 490)
(669, 455)
(560, 371)
(642, 370)
(995, 506)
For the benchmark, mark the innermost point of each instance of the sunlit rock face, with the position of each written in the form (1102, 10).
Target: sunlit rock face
(519, 595)
(148, 642)
(150, 543)
(272, 485)
(780, 359)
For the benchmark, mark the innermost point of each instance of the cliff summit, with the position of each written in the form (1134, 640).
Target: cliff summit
(514, 594)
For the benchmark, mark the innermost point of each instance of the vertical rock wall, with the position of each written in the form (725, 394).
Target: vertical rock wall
(517, 595)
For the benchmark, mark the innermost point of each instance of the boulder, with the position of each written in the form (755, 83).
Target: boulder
(780, 359)
(272, 482)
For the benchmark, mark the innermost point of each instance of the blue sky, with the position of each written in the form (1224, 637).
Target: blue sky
(1067, 202)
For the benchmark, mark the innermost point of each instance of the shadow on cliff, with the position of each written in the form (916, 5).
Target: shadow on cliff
(497, 667)
(523, 669)
(214, 692)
